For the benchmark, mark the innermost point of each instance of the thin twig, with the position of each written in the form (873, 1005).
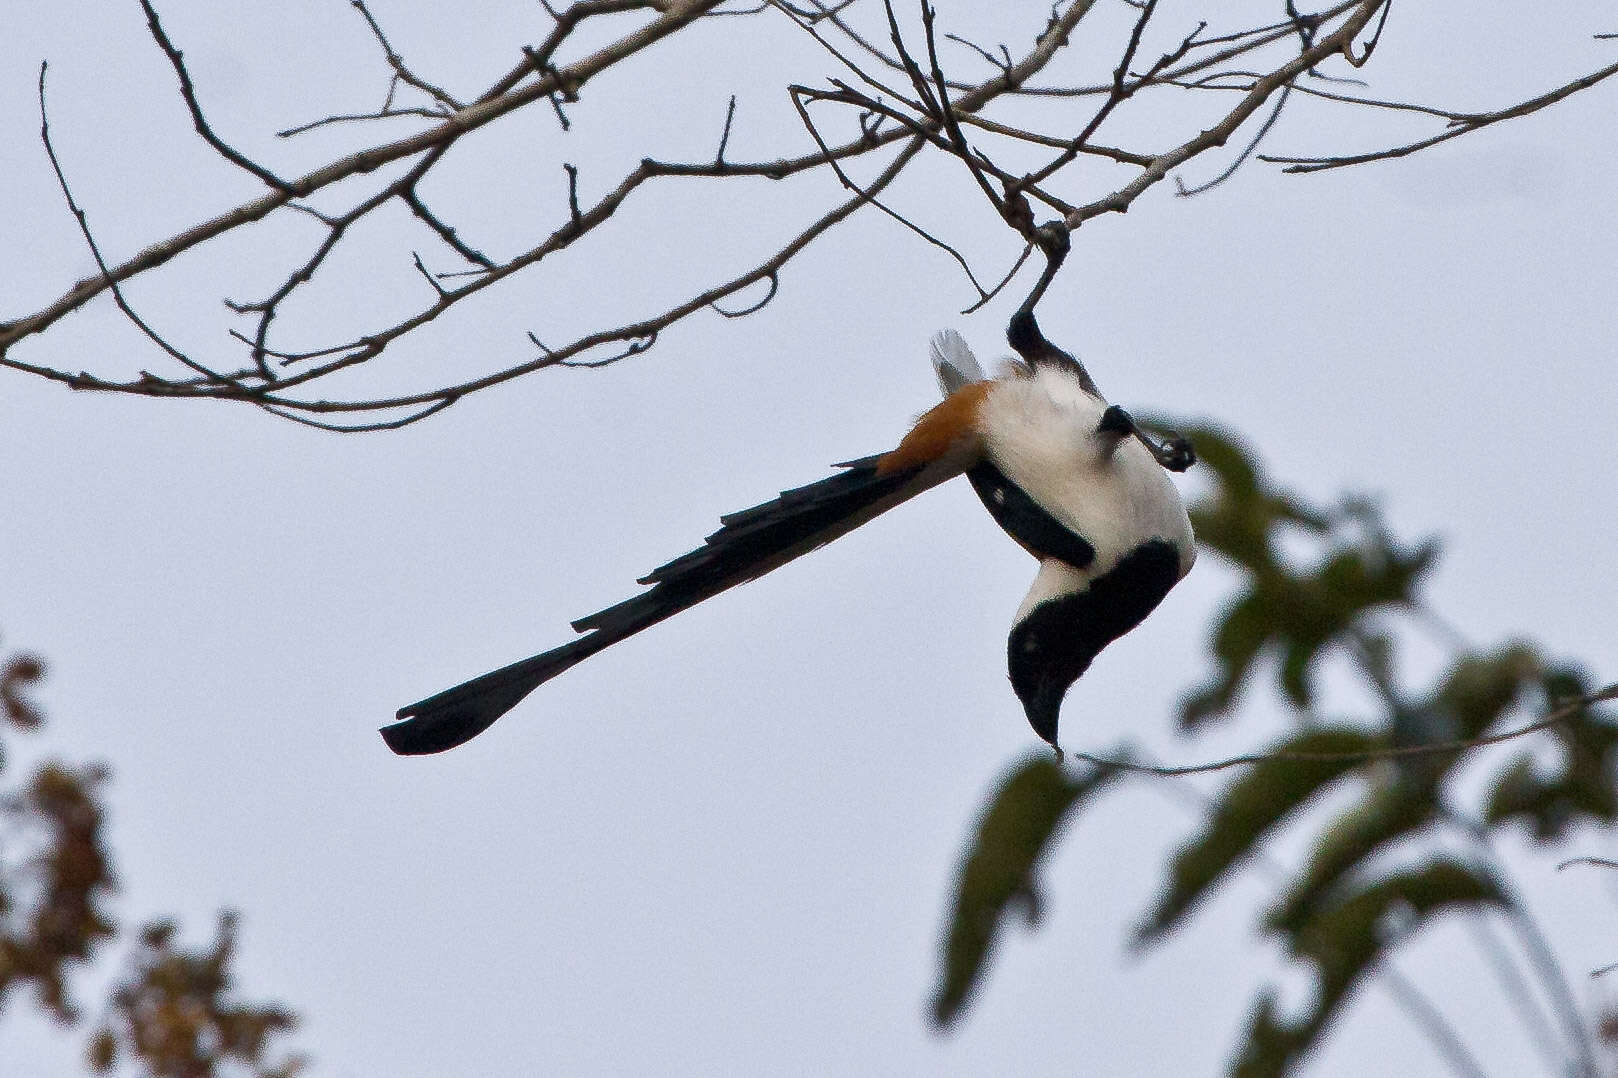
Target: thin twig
(444, 231)
(754, 308)
(674, 15)
(724, 138)
(1460, 124)
(198, 121)
(572, 191)
(83, 221)
(363, 428)
(1028, 249)
(1558, 716)
(358, 117)
(1230, 170)
(400, 70)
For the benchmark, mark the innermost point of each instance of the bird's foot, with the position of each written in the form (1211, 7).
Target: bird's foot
(1174, 453)
(1116, 421)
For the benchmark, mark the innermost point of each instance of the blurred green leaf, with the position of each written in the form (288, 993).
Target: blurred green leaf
(1521, 792)
(1322, 606)
(1579, 787)
(1222, 452)
(1343, 940)
(1297, 657)
(1388, 812)
(997, 875)
(1250, 807)
(1564, 683)
(1480, 688)
(1592, 764)
(1299, 611)
(1272, 1044)
(1238, 638)
(1239, 517)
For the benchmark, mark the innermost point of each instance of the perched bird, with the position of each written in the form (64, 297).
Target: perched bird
(1067, 475)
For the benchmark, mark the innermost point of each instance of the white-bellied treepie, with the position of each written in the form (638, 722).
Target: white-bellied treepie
(1067, 476)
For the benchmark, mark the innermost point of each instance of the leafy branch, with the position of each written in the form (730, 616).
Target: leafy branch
(1416, 762)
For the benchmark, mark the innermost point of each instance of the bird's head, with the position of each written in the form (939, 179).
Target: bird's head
(1045, 656)
(1071, 614)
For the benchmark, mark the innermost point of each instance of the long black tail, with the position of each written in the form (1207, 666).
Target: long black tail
(748, 545)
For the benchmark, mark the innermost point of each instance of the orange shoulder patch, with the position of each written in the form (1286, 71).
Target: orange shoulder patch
(939, 430)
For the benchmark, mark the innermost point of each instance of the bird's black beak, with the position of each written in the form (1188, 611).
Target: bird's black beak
(1046, 653)
(1044, 709)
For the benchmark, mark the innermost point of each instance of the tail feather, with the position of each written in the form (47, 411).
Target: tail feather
(754, 541)
(748, 544)
(953, 361)
(457, 715)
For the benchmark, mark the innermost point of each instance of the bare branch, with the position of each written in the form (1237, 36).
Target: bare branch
(362, 350)
(428, 277)
(887, 124)
(1342, 38)
(674, 15)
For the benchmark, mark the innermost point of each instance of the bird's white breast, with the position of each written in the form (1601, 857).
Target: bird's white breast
(1040, 431)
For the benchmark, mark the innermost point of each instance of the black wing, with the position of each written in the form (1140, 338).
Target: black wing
(1025, 520)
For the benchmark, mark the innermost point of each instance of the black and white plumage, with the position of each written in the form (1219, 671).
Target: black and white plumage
(1065, 476)
(1061, 470)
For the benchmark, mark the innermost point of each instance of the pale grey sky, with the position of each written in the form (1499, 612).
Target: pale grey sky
(726, 846)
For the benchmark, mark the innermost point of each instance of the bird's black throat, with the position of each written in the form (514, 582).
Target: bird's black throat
(1057, 640)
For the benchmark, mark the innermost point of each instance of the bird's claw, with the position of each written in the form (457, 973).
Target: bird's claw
(1175, 453)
